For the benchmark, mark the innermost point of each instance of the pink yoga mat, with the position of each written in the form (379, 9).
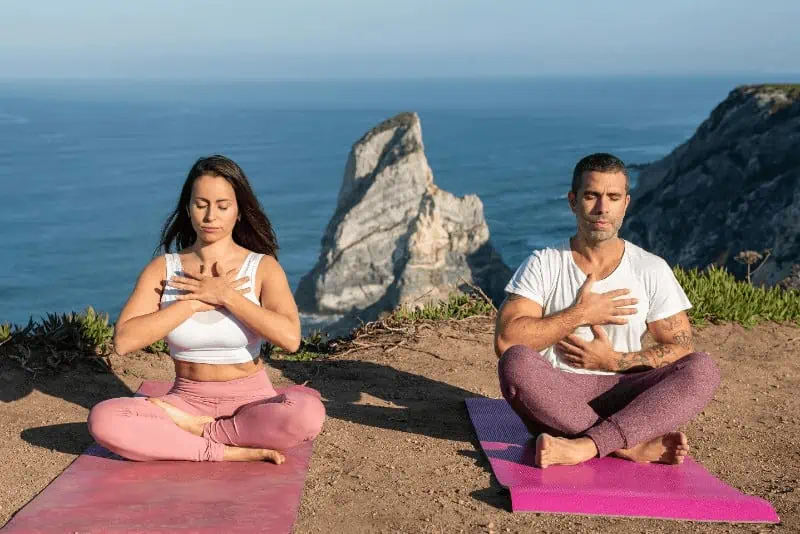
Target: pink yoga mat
(101, 492)
(607, 486)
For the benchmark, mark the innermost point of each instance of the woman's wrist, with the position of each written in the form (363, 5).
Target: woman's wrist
(229, 297)
(191, 305)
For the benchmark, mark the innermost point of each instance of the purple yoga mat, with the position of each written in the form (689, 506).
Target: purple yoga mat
(100, 492)
(604, 486)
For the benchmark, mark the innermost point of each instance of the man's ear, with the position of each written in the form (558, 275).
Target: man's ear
(572, 200)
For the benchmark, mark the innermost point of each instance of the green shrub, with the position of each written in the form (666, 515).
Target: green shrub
(5, 332)
(157, 347)
(57, 339)
(717, 296)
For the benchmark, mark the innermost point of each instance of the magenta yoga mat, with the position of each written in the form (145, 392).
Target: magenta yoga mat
(604, 486)
(100, 492)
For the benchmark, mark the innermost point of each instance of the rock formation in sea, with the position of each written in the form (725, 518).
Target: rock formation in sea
(733, 186)
(395, 237)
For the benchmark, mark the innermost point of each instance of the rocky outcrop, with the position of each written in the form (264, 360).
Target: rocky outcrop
(734, 186)
(396, 238)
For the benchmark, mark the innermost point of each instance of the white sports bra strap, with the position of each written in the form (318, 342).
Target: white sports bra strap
(251, 271)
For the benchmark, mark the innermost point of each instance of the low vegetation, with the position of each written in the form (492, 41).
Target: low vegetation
(65, 339)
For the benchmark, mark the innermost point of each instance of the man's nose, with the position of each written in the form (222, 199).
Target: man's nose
(602, 205)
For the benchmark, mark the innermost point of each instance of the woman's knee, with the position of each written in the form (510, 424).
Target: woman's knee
(308, 415)
(103, 419)
(108, 418)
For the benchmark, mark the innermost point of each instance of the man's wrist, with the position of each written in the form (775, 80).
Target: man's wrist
(579, 314)
(614, 360)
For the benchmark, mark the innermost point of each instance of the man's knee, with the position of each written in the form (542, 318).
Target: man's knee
(517, 363)
(519, 367)
(702, 371)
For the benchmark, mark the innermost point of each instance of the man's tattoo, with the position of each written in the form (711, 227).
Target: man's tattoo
(671, 323)
(683, 338)
(654, 357)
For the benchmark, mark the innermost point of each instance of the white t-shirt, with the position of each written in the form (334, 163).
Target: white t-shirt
(551, 278)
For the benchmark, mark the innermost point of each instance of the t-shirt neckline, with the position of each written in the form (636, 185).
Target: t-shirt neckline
(574, 264)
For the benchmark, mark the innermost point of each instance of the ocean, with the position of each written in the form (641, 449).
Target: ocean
(89, 170)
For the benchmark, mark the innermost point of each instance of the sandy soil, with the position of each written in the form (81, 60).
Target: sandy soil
(398, 454)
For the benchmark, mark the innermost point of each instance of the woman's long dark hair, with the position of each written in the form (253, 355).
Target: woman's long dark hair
(253, 231)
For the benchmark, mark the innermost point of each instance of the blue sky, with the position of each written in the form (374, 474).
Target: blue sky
(408, 38)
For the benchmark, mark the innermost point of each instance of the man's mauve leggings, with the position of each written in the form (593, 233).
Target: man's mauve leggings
(248, 412)
(615, 411)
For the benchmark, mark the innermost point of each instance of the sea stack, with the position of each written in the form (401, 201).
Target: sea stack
(395, 237)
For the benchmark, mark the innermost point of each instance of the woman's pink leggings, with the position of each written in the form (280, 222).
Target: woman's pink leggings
(249, 412)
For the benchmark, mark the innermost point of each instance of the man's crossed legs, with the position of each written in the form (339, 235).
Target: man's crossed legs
(632, 415)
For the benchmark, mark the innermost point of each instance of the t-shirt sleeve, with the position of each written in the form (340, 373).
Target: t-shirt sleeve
(666, 295)
(528, 281)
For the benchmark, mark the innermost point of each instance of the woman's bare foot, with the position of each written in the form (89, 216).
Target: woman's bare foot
(243, 454)
(560, 451)
(671, 448)
(190, 423)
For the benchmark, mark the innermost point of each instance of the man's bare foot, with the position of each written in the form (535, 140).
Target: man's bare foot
(671, 448)
(243, 454)
(560, 451)
(190, 423)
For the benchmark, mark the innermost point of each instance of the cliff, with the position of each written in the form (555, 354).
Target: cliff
(734, 186)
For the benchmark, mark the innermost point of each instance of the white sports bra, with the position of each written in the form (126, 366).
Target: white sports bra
(214, 336)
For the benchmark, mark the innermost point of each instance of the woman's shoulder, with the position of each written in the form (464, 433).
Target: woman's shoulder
(154, 270)
(158, 263)
(268, 266)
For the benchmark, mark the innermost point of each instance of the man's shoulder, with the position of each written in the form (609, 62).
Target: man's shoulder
(644, 260)
(556, 250)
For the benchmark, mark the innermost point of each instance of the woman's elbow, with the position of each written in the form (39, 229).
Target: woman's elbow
(122, 345)
(292, 340)
(292, 345)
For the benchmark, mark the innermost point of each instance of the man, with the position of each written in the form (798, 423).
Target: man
(569, 338)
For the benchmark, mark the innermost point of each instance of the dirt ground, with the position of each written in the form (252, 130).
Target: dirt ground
(398, 454)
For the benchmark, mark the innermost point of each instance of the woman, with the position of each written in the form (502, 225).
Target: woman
(214, 302)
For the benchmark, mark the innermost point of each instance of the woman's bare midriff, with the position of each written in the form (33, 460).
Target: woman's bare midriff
(206, 372)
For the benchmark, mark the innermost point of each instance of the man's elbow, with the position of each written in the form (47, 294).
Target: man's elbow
(501, 344)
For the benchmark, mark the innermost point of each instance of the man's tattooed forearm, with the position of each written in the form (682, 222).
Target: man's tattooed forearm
(631, 360)
(654, 357)
(683, 338)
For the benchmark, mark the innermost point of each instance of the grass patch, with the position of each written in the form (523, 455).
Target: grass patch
(457, 306)
(315, 345)
(717, 296)
(792, 90)
(390, 331)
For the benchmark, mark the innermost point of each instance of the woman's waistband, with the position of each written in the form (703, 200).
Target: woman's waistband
(256, 384)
